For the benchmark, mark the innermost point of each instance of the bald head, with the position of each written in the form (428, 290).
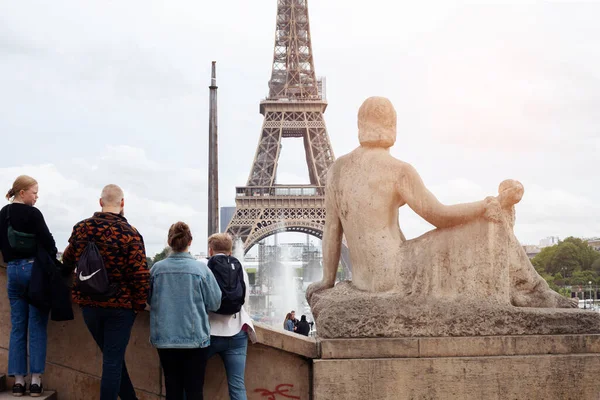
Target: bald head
(111, 199)
(377, 123)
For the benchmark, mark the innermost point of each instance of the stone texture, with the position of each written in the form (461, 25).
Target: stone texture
(474, 346)
(267, 369)
(370, 348)
(508, 345)
(518, 377)
(471, 266)
(287, 341)
(345, 312)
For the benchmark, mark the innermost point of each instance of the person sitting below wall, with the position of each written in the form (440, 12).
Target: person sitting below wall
(230, 325)
(22, 230)
(303, 327)
(182, 292)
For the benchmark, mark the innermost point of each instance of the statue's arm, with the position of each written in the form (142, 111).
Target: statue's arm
(423, 202)
(332, 240)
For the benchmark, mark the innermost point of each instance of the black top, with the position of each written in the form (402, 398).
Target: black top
(26, 219)
(303, 328)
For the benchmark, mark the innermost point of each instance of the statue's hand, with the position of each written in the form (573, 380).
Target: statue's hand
(510, 193)
(317, 287)
(493, 210)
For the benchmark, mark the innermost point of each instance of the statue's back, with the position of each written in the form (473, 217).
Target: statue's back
(363, 184)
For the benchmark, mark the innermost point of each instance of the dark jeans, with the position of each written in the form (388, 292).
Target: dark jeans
(111, 329)
(184, 372)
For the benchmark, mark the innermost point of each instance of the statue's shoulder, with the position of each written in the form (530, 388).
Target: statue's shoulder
(402, 167)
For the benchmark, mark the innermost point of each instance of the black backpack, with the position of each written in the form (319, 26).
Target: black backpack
(92, 278)
(230, 277)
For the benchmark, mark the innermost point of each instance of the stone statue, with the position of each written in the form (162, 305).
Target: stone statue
(472, 257)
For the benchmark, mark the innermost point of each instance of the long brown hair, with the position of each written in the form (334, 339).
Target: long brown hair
(22, 182)
(287, 318)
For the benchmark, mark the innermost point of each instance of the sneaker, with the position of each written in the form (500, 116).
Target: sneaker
(36, 390)
(18, 390)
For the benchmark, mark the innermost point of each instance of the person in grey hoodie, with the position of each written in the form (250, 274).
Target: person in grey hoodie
(182, 292)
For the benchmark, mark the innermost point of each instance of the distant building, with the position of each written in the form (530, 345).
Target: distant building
(532, 251)
(549, 241)
(595, 243)
(226, 216)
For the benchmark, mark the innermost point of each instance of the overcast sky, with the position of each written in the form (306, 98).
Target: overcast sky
(101, 92)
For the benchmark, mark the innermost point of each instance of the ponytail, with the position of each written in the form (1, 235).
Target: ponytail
(22, 182)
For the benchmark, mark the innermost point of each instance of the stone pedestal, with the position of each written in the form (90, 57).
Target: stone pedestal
(499, 367)
(345, 312)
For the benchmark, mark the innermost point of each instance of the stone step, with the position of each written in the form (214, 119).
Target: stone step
(48, 395)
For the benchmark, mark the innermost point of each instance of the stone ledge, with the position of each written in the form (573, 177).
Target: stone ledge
(287, 341)
(478, 346)
(531, 377)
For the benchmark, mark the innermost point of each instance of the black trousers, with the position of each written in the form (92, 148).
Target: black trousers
(184, 372)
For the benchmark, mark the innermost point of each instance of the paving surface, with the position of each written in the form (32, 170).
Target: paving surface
(48, 395)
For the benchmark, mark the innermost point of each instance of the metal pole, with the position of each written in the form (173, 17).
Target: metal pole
(213, 157)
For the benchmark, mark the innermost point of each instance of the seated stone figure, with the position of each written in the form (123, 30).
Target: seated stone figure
(472, 255)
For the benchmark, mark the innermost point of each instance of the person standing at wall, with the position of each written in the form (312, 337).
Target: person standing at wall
(111, 286)
(303, 327)
(182, 292)
(230, 326)
(288, 323)
(22, 230)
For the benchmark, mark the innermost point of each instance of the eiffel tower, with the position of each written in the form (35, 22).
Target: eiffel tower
(293, 109)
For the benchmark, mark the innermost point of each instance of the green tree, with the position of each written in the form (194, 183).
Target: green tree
(583, 277)
(596, 266)
(570, 255)
(543, 258)
(586, 254)
(567, 258)
(162, 255)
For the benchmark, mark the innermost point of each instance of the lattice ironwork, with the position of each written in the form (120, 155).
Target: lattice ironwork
(293, 74)
(293, 109)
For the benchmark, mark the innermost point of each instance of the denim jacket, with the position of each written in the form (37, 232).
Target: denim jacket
(182, 291)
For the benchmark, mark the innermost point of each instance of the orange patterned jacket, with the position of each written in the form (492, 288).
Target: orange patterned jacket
(122, 249)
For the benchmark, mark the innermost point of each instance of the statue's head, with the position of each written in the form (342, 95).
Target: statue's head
(377, 123)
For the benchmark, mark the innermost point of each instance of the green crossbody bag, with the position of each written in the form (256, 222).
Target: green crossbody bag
(19, 241)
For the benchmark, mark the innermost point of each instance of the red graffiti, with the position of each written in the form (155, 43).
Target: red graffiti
(282, 390)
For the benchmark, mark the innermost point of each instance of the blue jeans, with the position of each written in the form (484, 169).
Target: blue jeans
(233, 353)
(25, 317)
(111, 329)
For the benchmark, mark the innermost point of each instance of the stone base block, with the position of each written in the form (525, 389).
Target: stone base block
(345, 312)
(526, 367)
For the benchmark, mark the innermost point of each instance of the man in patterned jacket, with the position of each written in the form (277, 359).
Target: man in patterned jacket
(110, 319)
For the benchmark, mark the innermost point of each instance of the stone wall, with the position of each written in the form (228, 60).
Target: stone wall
(279, 361)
